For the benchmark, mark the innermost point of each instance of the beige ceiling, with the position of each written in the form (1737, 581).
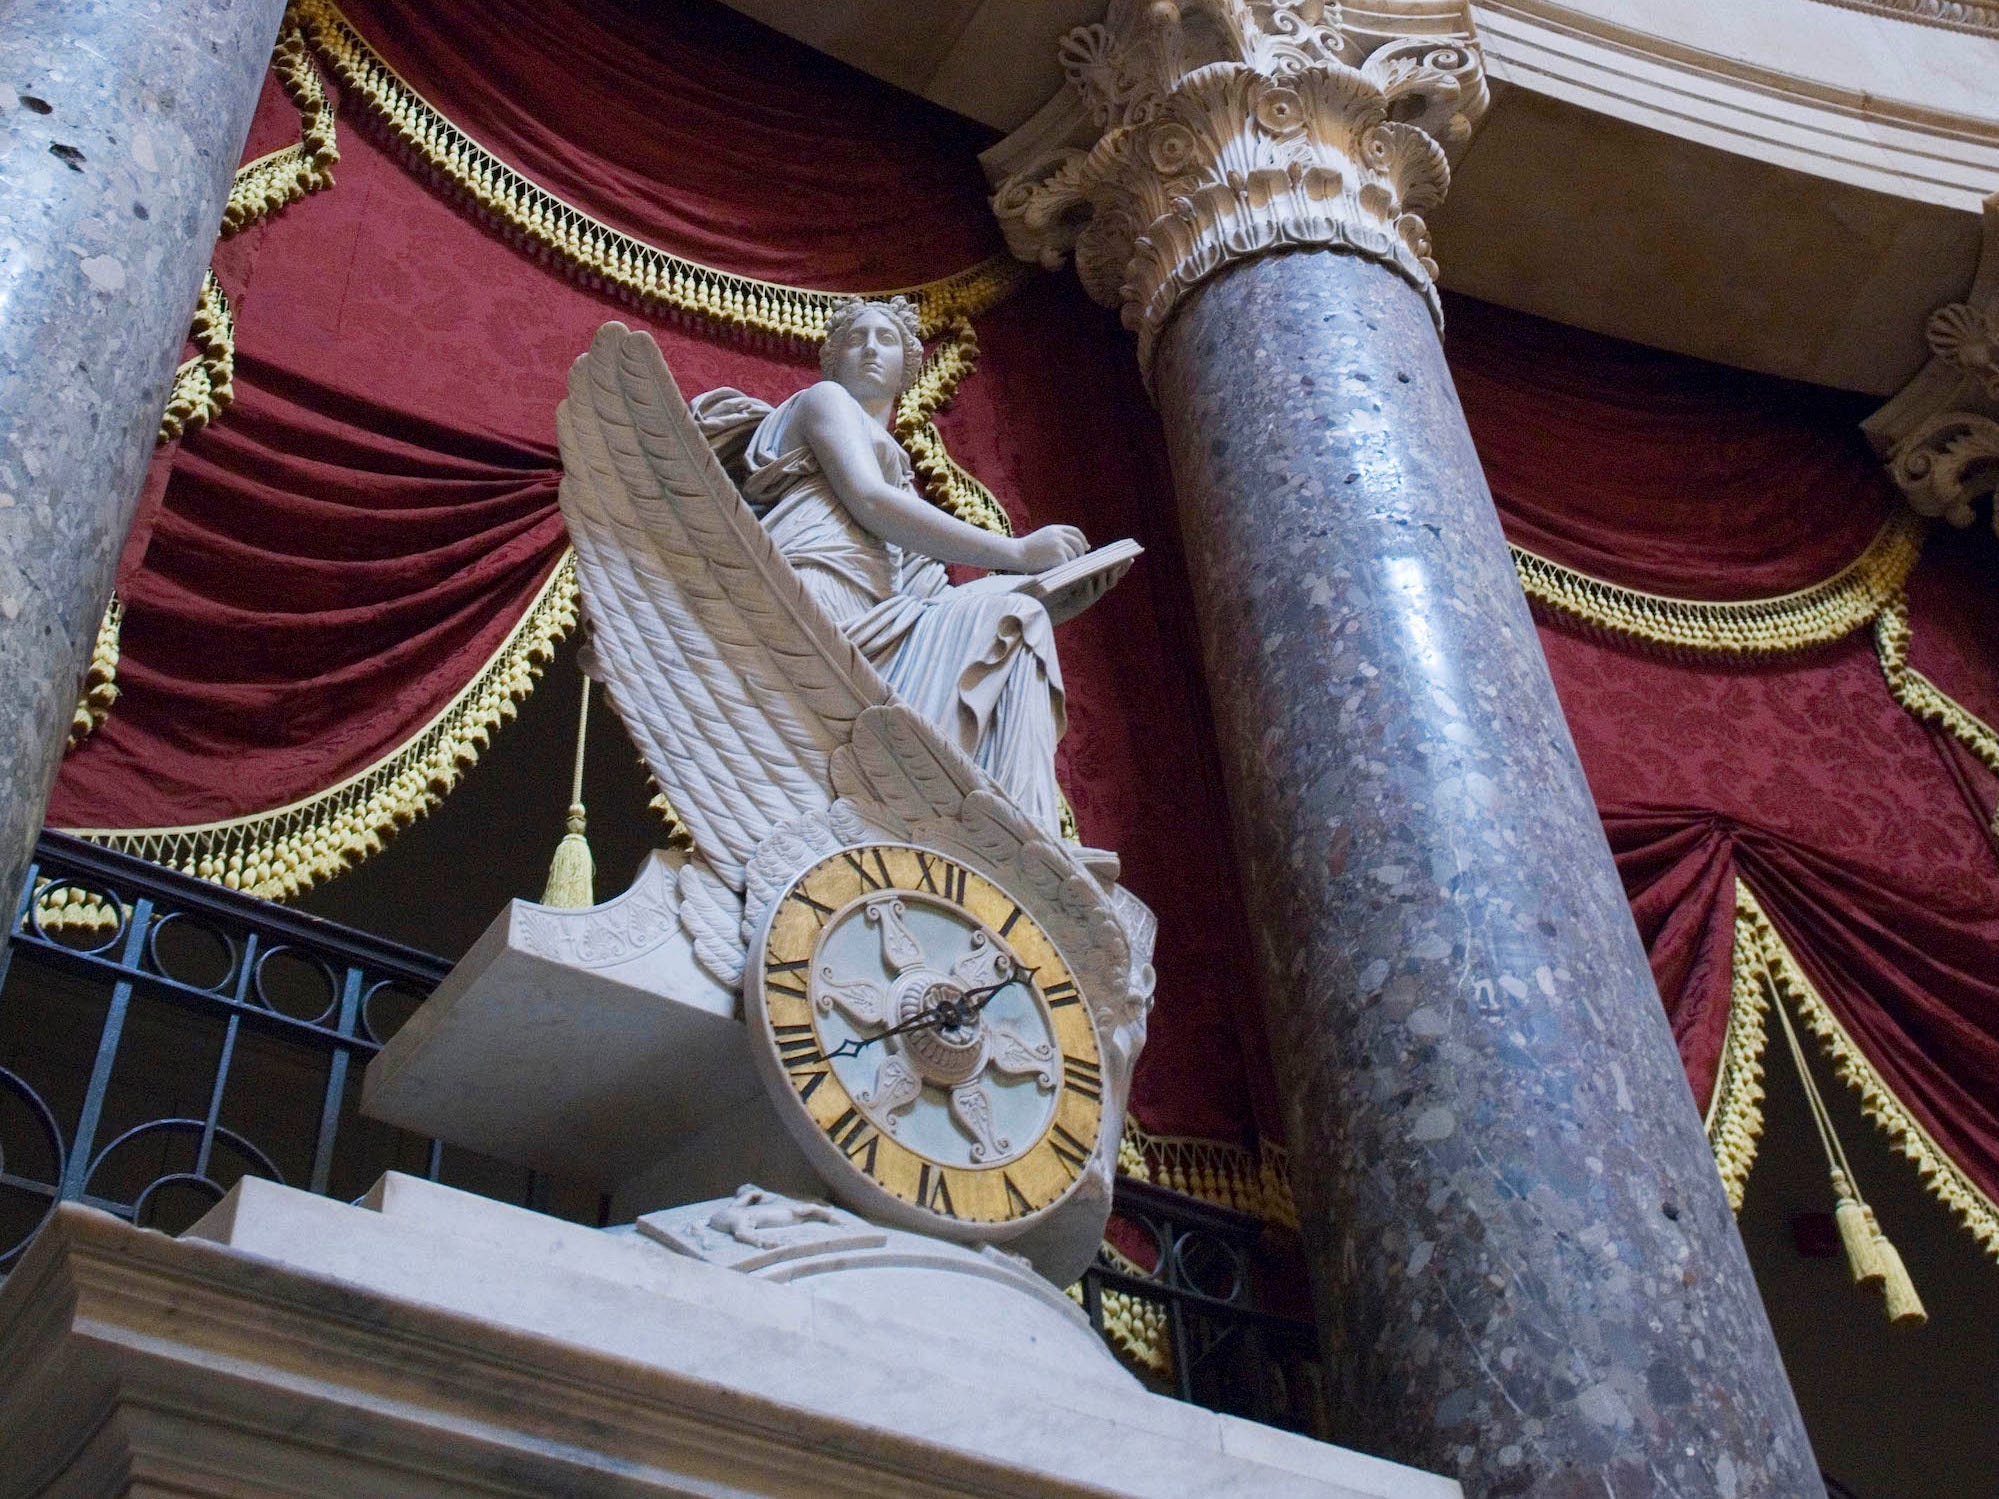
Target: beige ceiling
(1787, 185)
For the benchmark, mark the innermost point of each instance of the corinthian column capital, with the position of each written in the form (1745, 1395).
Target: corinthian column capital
(1226, 129)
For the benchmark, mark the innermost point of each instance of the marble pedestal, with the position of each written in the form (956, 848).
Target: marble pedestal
(591, 1044)
(428, 1343)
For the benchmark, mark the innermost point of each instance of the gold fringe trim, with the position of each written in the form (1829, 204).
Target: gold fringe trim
(950, 486)
(1135, 1326)
(1922, 697)
(100, 678)
(202, 388)
(1735, 1110)
(602, 256)
(1813, 616)
(1257, 1182)
(1788, 981)
(278, 854)
(284, 176)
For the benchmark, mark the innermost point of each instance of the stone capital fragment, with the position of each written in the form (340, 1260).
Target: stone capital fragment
(1939, 435)
(1225, 129)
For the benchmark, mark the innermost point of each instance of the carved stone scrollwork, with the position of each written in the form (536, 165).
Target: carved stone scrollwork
(1947, 464)
(1940, 434)
(1231, 128)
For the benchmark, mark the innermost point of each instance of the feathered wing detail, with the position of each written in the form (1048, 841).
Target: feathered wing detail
(736, 686)
(898, 762)
(712, 916)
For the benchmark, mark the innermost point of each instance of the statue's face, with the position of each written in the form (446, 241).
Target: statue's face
(869, 360)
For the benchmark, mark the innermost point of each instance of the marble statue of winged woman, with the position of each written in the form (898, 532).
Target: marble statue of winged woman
(770, 613)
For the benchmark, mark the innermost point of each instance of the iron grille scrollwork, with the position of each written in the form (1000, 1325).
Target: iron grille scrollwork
(160, 1037)
(1185, 1273)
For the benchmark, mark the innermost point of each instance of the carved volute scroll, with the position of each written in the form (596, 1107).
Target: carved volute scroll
(1230, 128)
(1939, 435)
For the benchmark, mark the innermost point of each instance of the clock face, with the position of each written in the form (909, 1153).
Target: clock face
(930, 1035)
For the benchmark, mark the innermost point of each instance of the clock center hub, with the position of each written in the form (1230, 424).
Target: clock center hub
(947, 1053)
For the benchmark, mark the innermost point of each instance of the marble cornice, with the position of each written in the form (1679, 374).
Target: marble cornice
(1768, 110)
(1952, 15)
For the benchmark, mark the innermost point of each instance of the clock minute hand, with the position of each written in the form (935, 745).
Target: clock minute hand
(951, 1012)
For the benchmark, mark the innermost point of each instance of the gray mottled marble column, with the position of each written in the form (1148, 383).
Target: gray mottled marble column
(121, 122)
(1528, 1273)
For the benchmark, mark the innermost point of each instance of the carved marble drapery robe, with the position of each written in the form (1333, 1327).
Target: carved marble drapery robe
(980, 665)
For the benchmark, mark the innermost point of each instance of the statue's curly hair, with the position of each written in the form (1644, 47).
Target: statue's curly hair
(901, 311)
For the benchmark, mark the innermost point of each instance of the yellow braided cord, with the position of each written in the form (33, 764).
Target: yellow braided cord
(202, 386)
(1257, 1182)
(1788, 981)
(100, 678)
(594, 251)
(1813, 616)
(279, 853)
(1922, 697)
(1735, 1109)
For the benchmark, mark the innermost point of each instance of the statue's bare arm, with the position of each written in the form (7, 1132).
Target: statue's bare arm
(840, 435)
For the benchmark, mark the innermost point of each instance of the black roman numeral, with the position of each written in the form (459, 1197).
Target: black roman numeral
(940, 877)
(1061, 994)
(1085, 1076)
(934, 1192)
(871, 879)
(856, 1138)
(796, 965)
(1016, 1200)
(1070, 1151)
(797, 1046)
(772, 986)
(1012, 917)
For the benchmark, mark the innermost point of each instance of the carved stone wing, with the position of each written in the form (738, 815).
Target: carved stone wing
(736, 686)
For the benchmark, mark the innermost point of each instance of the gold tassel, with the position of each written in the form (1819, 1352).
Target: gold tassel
(1905, 1307)
(572, 873)
(1859, 1233)
(1875, 1262)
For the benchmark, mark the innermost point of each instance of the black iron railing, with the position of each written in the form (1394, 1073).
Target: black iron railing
(1175, 1291)
(161, 1037)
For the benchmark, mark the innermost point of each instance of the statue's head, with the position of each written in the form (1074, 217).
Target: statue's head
(873, 349)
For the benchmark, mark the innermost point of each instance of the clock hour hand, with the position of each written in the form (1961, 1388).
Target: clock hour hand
(950, 1012)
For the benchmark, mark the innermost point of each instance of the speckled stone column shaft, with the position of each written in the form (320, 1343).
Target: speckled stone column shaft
(1527, 1271)
(121, 122)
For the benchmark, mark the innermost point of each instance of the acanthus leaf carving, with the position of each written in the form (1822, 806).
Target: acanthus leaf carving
(1232, 128)
(1939, 434)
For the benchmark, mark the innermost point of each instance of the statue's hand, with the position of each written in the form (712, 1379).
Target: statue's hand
(1051, 546)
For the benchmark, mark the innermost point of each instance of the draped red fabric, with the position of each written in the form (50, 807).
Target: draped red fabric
(353, 539)
(699, 131)
(1862, 831)
(1661, 473)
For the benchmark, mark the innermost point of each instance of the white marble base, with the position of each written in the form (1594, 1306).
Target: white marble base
(591, 1044)
(429, 1343)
